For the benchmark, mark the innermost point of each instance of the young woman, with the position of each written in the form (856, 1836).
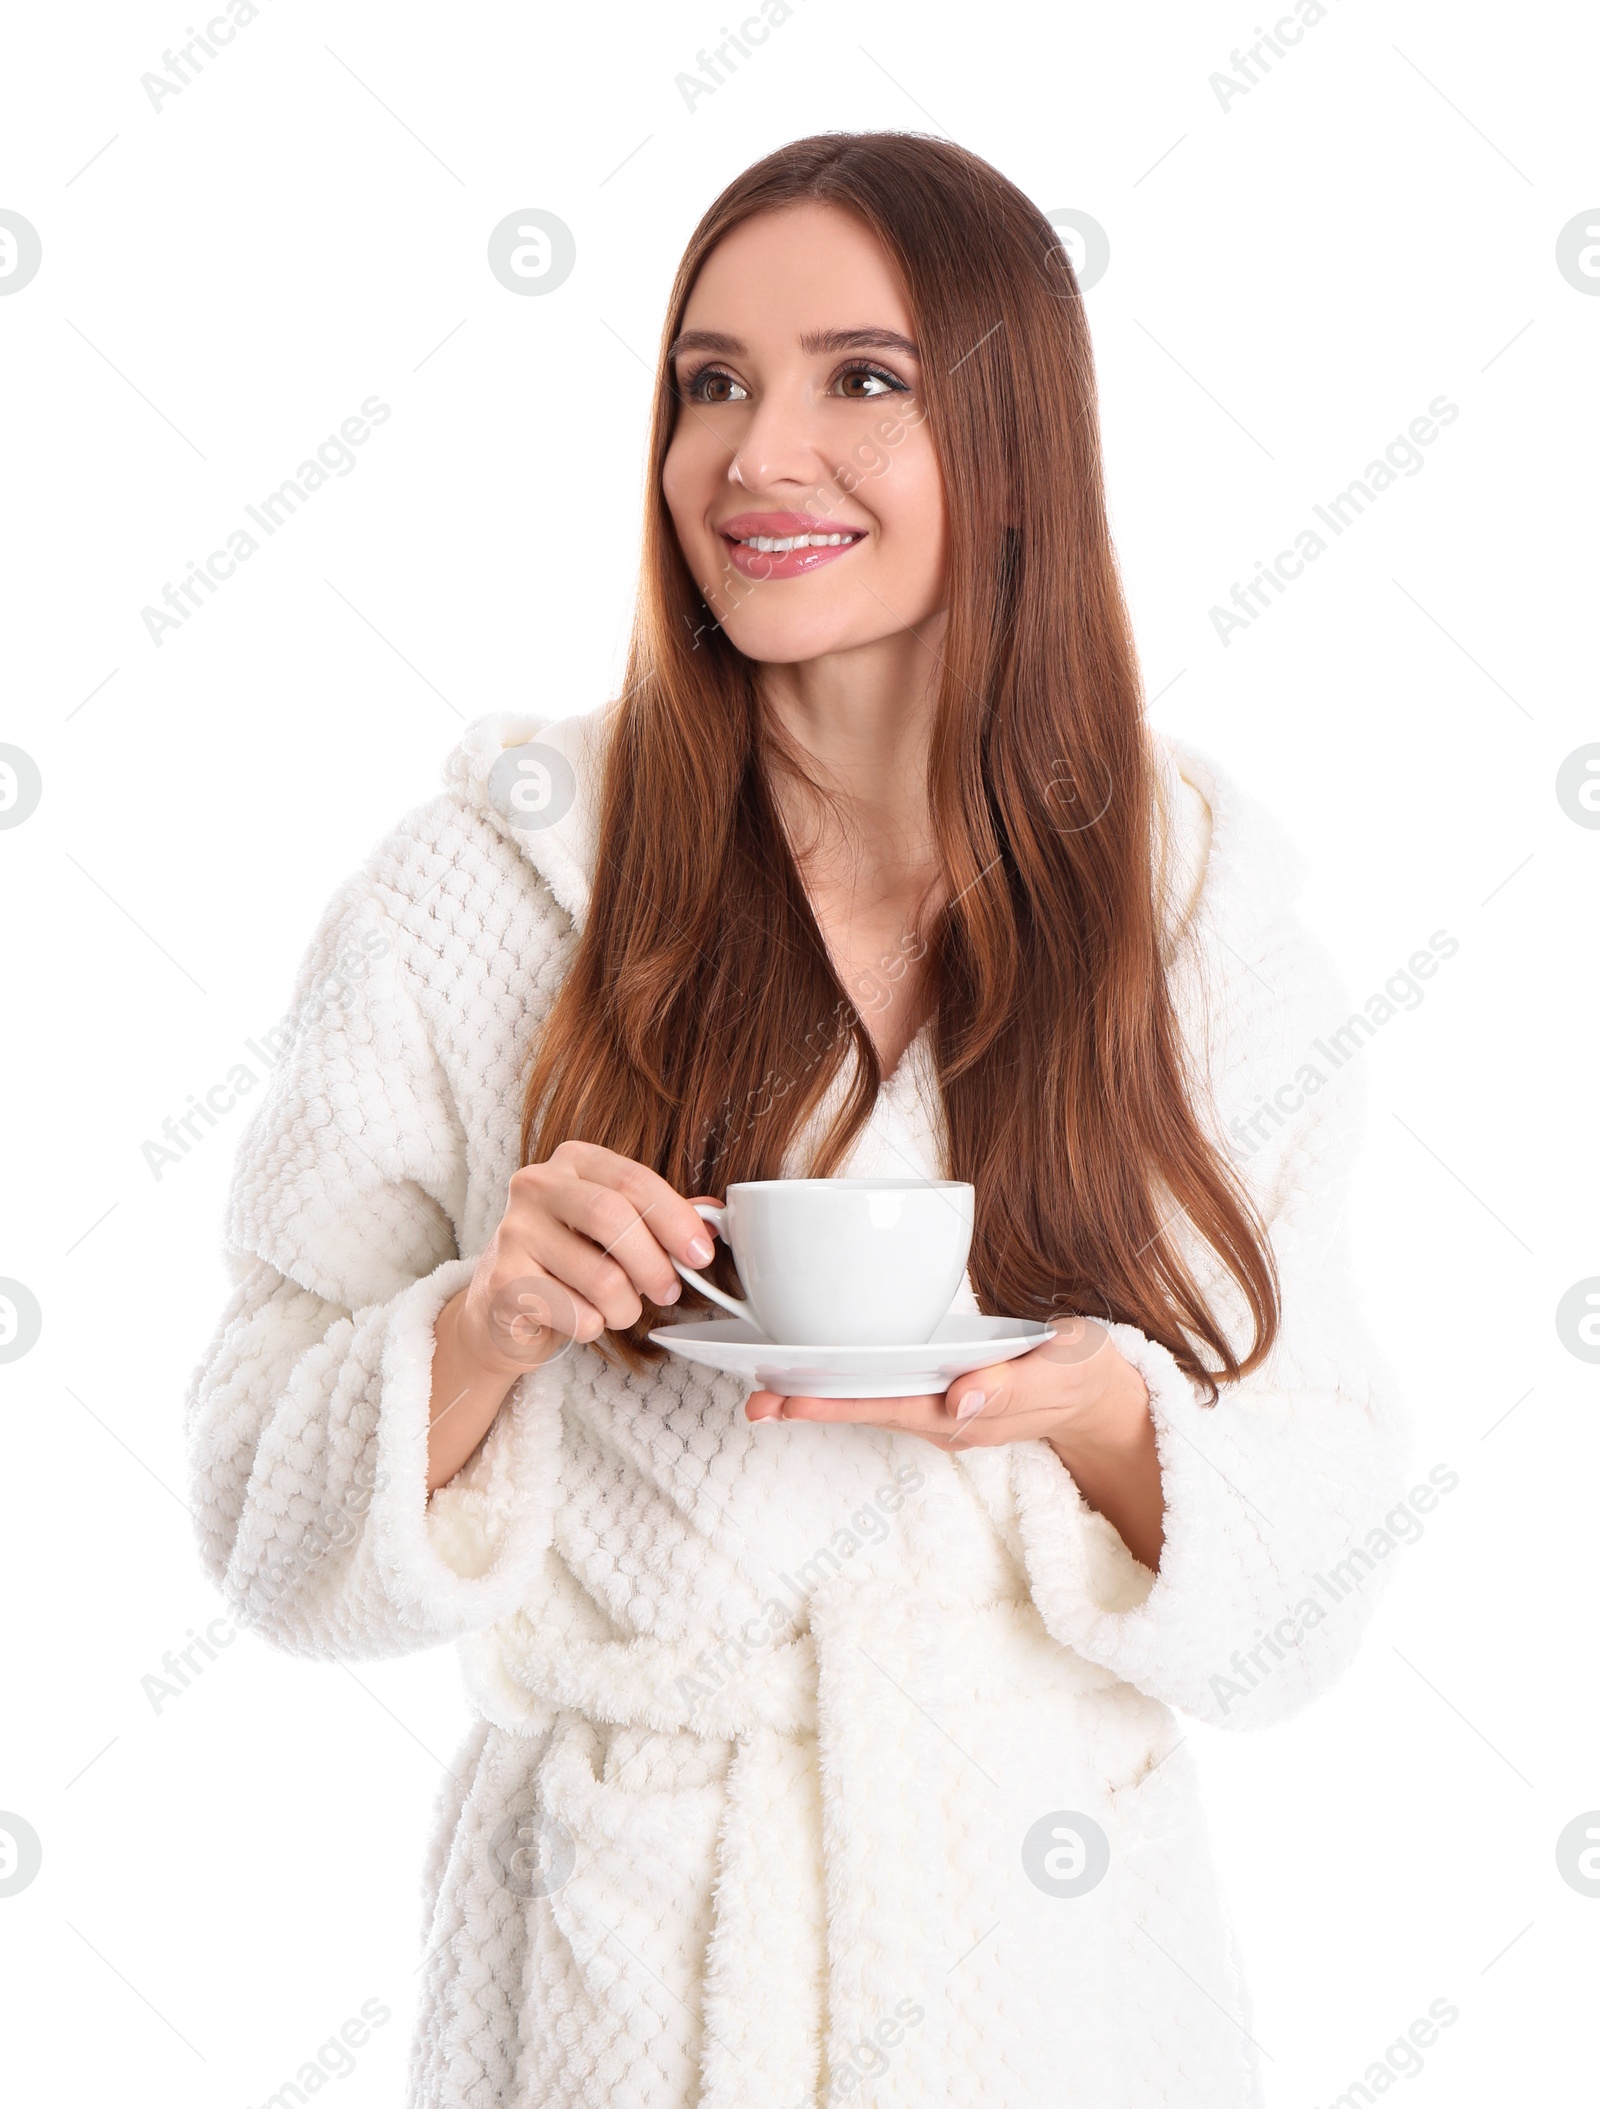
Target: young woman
(826, 1747)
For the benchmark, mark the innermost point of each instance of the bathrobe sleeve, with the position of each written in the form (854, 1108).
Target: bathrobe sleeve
(1275, 1547)
(307, 1419)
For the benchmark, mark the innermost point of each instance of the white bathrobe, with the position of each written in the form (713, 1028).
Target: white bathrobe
(814, 1764)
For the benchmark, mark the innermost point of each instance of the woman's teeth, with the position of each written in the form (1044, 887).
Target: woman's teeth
(778, 543)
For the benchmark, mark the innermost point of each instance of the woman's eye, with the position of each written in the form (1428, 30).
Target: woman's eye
(860, 383)
(710, 385)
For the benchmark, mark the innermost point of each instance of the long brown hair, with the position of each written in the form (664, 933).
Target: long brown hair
(702, 1020)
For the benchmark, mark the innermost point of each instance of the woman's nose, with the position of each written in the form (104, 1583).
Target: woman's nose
(781, 444)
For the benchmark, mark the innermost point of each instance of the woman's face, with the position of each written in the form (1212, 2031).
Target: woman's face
(801, 414)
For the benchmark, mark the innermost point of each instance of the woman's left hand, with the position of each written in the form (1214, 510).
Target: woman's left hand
(1076, 1392)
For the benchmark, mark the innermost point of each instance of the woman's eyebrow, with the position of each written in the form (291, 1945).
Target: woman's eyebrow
(858, 340)
(813, 342)
(704, 340)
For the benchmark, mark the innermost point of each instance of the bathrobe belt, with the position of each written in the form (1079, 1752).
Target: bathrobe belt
(862, 1819)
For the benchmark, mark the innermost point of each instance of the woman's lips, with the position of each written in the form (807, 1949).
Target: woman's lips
(741, 534)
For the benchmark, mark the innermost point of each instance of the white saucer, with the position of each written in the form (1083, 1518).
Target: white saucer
(962, 1342)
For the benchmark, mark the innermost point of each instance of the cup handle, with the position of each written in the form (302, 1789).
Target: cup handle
(717, 1217)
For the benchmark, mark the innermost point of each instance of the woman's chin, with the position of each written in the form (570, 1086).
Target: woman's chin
(788, 640)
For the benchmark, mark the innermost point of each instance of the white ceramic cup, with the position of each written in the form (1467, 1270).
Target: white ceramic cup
(843, 1262)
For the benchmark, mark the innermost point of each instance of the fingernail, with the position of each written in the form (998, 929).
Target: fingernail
(968, 1404)
(673, 1293)
(700, 1251)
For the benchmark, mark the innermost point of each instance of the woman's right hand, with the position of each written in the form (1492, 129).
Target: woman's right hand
(585, 1237)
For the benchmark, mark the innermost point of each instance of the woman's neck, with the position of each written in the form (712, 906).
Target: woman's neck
(862, 722)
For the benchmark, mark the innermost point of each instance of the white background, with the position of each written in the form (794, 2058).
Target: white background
(1291, 281)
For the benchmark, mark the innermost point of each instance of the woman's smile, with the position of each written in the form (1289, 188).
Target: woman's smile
(785, 545)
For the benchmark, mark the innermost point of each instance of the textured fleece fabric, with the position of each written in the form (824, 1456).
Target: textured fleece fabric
(789, 1737)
